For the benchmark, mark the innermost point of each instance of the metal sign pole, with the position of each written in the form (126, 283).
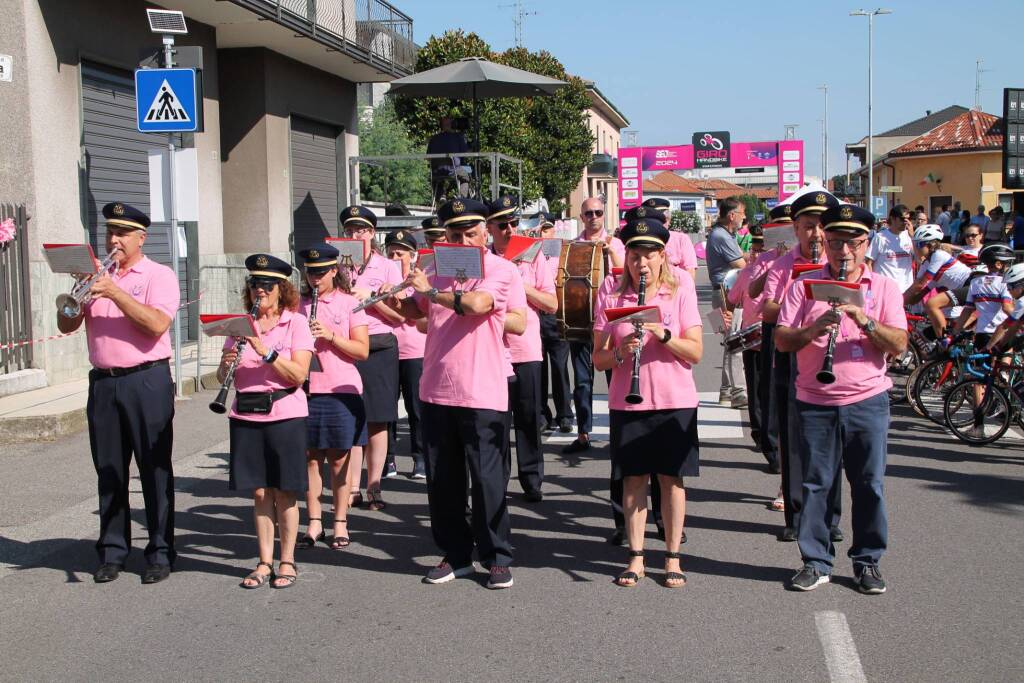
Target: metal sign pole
(173, 230)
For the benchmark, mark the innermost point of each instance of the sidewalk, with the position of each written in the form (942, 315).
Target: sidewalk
(52, 412)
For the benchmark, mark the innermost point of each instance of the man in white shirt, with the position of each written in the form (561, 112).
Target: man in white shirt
(892, 249)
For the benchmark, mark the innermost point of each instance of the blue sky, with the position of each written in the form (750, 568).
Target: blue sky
(751, 66)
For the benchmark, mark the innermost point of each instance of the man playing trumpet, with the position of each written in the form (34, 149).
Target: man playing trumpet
(131, 394)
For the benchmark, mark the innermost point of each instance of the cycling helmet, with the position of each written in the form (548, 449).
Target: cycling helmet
(1014, 275)
(996, 252)
(927, 233)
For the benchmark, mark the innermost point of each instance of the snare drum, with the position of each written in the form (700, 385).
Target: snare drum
(747, 339)
(580, 274)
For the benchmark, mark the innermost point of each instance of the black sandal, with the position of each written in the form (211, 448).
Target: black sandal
(289, 579)
(629, 579)
(340, 542)
(676, 577)
(374, 501)
(260, 579)
(308, 541)
(355, 499)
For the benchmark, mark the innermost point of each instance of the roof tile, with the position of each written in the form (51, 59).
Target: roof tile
(972, 130)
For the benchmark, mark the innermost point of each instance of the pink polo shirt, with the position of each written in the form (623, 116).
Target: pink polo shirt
(526, 347)
(410, 340)
(379, 272)
(781, 272)
(666, 382)
(464, 362)
(858, 364)
(680, 251)
(752, 307)
(334, 312)
(290, 334)
(114, 340)
(616, 244)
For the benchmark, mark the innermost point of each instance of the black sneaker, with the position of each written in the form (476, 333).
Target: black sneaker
(788, 535)
(419, 471)
(565, 425)
(390, 470)
(501, 577)
(808, 578)
(577, 446)
(549, 425)
(533, 496)
(835, 535)
(107, 572)
(870, 581)
(444, 572)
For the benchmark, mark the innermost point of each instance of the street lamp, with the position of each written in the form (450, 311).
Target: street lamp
(824, 139)
(870, 160)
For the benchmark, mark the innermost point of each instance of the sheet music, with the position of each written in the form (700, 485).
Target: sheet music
(424, 259)
(351, 252)
(459, 261)
(552, 247)
(70, 258)
(228, 325)
(776, 235)
(633, 314)
(523, 249)
(827, 290)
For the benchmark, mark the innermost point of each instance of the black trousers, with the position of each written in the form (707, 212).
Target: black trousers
(752, 374)
(784, 399)
(524, 400)
(769, 416)
(133, 414)
(457, 441)
(409, 372)
(556, 367)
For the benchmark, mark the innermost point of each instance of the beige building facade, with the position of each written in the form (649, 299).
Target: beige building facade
(600, 176)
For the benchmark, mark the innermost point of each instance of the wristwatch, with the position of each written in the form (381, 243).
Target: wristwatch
(457, 303)
(431, 294)
(271, 356)
(665, 337)
(869, 326)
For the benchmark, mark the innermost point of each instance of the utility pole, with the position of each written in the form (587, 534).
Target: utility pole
(869, 197)
(518, 19)
(824, 139)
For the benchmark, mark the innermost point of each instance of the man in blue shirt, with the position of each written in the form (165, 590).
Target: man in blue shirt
(722, 255)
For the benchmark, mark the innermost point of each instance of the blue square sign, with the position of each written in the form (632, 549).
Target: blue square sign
(165, 100)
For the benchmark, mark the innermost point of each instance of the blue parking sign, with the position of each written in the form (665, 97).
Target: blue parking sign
(166, 100)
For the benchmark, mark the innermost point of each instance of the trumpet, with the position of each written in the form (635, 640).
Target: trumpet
(634, 397)
(219, 404)
(70, 305)
(825, 375)
(380, 296)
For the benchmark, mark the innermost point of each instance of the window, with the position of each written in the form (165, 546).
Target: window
(1006, 201)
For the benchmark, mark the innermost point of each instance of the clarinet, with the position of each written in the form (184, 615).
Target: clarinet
(825, 375)
(314, 363)
(634, 397)
(219, 404)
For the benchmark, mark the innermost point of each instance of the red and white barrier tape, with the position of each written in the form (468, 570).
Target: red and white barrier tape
(27, 342)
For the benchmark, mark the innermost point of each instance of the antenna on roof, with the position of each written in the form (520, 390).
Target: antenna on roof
(977, 84)
(518, 19)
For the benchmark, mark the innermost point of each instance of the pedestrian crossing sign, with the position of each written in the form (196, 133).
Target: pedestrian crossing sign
(166, 100)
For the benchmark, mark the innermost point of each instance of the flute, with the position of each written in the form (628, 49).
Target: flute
(634, 397)
(219, 404)
(381, 296)
(825, 375)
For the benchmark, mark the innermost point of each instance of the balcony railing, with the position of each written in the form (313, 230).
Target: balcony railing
(373, 31)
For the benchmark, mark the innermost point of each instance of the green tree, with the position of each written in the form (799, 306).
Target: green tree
(686, 221)
(549, 134)
(753, 205)
(382, 133)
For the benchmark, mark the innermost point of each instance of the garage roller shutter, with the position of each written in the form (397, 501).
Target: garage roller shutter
(314, 159)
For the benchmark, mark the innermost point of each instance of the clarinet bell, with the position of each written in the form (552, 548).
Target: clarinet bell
(825, 376)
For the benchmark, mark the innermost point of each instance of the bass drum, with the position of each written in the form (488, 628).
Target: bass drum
(580, 274)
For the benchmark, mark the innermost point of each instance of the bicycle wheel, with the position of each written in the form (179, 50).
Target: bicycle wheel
(977, 413)
(912, 390)
(933, 383)
(899, 370)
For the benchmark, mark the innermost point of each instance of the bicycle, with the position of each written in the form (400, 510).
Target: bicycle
(980, 408)
(936, 377)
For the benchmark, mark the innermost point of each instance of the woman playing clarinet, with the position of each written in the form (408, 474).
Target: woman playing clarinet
(654, 425)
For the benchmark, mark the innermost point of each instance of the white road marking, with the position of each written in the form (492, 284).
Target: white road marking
(840, 651)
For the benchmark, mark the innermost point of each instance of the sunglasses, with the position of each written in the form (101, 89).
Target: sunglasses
(969, 235)
(261, 283)
(594, 213)
(504, 225)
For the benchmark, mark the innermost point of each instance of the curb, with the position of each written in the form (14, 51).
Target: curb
(52, 427)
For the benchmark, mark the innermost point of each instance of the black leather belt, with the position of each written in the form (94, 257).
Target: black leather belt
(120, 372)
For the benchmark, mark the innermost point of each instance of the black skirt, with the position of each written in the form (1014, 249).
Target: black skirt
(654, 442)
(268, 455)
(336, 421)
(380, 382)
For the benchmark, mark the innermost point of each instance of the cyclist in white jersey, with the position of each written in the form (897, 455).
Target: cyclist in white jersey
(989, 296)
(1008, 332)
(941, 270)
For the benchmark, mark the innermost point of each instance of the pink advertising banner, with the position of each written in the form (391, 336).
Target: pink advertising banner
(747, 154)
(667, 158)
(630, 177)
(791, 167)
